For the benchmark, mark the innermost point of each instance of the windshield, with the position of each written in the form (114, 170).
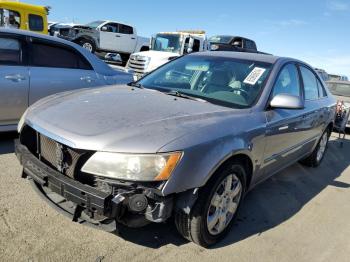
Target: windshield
(339, 89)
(219, 80)
(94, 24)
(220, 39)
(167, 43)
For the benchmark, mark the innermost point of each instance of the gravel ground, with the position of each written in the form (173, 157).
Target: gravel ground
(300, 214)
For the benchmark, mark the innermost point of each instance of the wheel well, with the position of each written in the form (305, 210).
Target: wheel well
(144, 48)
(78, 40)
(247, 164)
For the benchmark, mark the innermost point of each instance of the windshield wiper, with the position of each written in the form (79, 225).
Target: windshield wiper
(135, 84)
(185, 96)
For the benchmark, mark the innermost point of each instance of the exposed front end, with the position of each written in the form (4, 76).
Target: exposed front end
(56, 172)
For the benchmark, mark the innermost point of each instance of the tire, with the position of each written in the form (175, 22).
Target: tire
(316, 157)
(195, 226)
(88, 45)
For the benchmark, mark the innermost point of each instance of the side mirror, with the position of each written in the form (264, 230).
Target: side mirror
(287, 101)
(189, 50)
(104, 28)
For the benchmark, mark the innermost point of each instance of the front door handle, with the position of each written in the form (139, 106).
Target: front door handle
(117, 35)
(15, 78)
(87, 79)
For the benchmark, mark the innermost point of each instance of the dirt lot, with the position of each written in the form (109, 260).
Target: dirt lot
(301, 214)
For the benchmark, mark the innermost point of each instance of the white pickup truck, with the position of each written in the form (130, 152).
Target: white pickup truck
(166, 46)
(108, 36)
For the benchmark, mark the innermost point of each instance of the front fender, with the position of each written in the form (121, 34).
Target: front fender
(200, 163)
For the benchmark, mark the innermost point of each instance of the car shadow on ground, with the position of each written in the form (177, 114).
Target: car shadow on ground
(7, 142)
(271, 203)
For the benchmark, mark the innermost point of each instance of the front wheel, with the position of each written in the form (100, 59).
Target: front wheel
(216, 208)
(88, 45)
(317, 155)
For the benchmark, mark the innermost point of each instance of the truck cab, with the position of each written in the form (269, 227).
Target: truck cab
(232, 43)
(166, 46)
(24, 16)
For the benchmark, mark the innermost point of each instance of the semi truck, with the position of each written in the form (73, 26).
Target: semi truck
(166, 46)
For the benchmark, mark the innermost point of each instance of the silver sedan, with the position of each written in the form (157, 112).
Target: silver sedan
(188, 140)
(33, 66)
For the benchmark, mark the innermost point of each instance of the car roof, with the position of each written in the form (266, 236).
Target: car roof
(242, 56)
(98, 65)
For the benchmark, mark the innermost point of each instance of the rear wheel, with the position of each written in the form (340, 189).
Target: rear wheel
(317, 155)
(216, 208)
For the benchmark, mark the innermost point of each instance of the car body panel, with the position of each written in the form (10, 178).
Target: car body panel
(133, 120)
(38, 82)
(14, 89)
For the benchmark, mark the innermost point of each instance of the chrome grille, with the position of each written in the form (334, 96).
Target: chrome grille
(138, 63)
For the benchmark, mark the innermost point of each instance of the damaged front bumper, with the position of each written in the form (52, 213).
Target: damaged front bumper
(132, 206)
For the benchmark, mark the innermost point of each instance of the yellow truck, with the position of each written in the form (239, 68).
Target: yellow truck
(14, 14)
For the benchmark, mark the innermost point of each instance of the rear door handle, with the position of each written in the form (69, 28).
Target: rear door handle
(133, 38)
(15, 78)
(117, 35)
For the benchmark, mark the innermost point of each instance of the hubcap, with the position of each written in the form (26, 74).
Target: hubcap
(88, 46)
(322, 146)
(223, 204)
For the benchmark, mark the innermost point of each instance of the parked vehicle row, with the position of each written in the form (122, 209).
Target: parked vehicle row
(33, 66)
(169, 144)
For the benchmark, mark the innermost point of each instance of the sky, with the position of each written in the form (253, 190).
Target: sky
(315, 31)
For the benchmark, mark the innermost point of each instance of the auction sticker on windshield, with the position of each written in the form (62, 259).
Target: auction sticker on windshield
(254, 76)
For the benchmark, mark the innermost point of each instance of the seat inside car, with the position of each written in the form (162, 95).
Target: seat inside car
(219, 81)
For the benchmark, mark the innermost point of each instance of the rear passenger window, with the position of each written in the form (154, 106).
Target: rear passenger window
(310, 84)
(45, 55)
(287, 81)
(36, 23)
(125, 29)
(10, 51)
(321, 89)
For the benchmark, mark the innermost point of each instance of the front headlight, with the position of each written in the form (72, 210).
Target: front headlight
(132, 167)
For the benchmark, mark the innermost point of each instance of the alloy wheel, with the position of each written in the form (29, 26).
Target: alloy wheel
(224, 204)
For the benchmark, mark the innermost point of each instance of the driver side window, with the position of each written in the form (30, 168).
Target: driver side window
(287, 81)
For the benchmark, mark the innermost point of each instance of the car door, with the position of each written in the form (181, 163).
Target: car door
(56, 68)
(314, 111)
(14, 79)
(110, 38)
(127, 38)
(285, 134)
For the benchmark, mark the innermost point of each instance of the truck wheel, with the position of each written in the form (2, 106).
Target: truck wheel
(88, 45)
(315, 159)
(212, 216)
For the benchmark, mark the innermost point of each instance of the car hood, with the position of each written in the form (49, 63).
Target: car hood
(120, 118)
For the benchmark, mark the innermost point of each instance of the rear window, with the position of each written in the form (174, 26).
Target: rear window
(10, 51)
(45, 55)
(125, 29)
(36, 23)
